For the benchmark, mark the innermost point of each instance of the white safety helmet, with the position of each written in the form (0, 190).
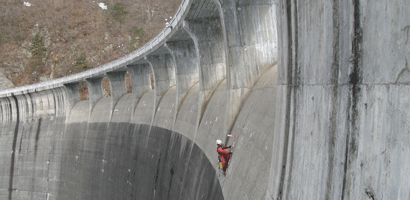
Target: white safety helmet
(218, 142)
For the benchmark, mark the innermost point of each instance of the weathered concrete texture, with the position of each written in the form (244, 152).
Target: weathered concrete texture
(144, 111)
(7, 144)
(80, 113)
(165, 113)
(253, 149)
(208, 38)
(387, 60)
(73, 94)
(251, 39)
(6, 110)
(378, 153)
(317, 151)
(163, 71)
(140, 78)
(341, 119)
(212, 124)
(331, 121)
(40, 163)
(117, 86)
(186, 65)
(187, 115)
(123, 110)
(250, 43)
(95, 91)
(126, 161)
(30, 158)
(101, 113)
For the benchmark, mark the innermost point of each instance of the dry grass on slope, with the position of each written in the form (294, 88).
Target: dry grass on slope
(77, 35)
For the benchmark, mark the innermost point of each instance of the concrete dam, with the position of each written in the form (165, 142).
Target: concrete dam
(317, 93)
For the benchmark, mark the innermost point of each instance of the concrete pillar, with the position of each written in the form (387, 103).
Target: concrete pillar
(95, 91)
(73, 95)
(186, 67)
(208, 38)
(141, 81)
(117, 85)
(163, 70)
(249, 29)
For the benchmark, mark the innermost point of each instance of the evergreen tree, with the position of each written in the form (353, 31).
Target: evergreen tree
(37, 47)
(38, 52)
(81, 64)
(119, 13)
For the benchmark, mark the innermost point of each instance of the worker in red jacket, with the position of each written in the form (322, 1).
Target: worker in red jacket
(223, 155)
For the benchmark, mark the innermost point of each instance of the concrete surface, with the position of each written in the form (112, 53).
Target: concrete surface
(341, 125)
(316, 91)
(118, 87)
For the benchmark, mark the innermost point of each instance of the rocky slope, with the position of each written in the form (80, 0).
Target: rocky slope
(45, 39)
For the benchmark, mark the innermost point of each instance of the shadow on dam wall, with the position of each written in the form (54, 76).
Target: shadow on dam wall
(109, 161)
(133, 161)
(329, 121)
(101, 156)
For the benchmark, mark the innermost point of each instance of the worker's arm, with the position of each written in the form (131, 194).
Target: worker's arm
(221, 151)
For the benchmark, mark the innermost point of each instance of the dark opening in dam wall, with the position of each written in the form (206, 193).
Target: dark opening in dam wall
(131, 161)
(109, 161)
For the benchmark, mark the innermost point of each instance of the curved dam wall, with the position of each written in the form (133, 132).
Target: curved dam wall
(315, 91)
(342, 109)
(158, 142)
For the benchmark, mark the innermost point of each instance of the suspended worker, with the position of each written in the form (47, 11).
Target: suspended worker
(223, 156)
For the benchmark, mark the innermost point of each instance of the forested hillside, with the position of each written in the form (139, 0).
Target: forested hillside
(45, 39)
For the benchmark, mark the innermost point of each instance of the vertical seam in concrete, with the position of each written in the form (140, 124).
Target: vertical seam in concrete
(170, 182)
(333, 115)
(35, 157)
(156, 176)
(13, 155)
(288, 96)
(355, 79)
(37, 138)
(296, 80)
